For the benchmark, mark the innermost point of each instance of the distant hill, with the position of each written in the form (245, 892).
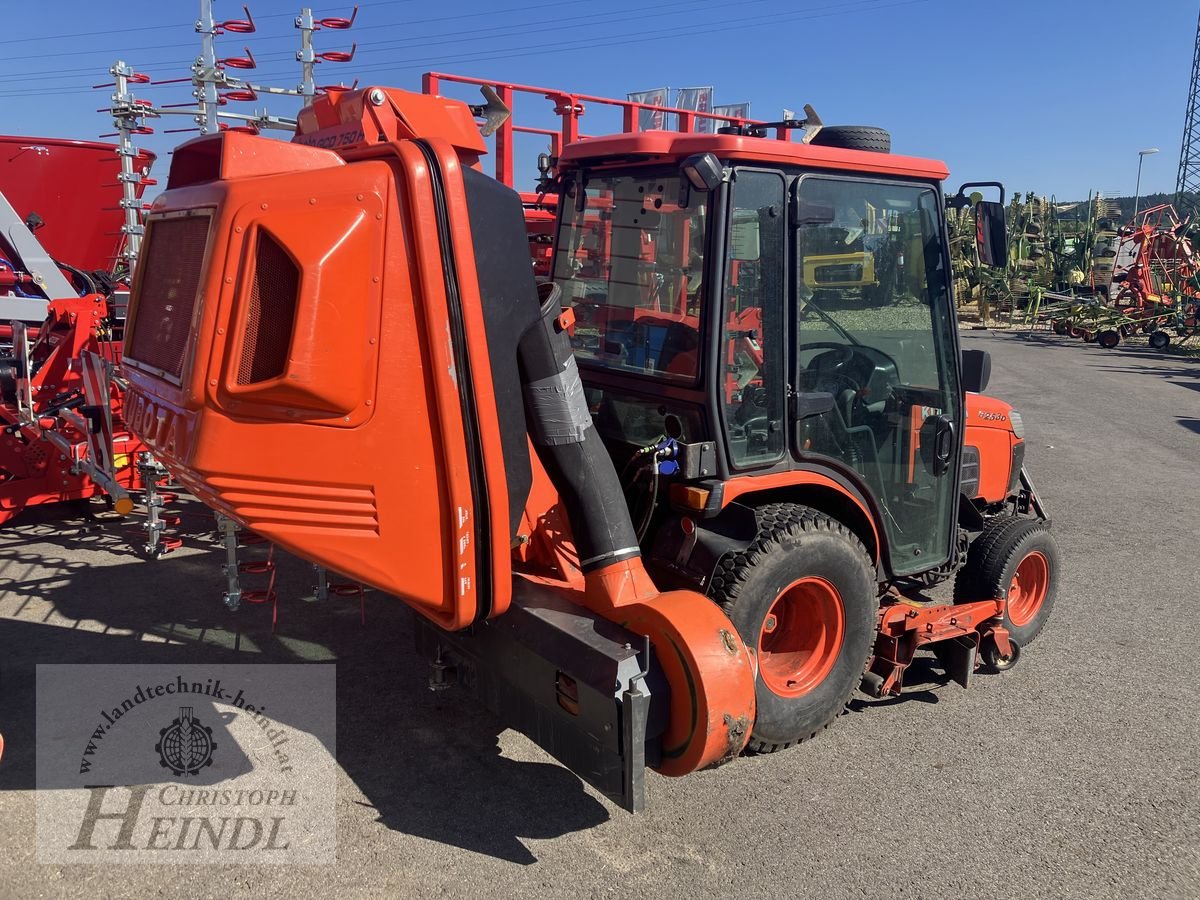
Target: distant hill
(1126, 204)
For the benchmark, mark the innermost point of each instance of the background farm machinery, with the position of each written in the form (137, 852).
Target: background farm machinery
(62, 305)
(1075, 269)
(1052, 248)
(1155, 287)
(70, 236)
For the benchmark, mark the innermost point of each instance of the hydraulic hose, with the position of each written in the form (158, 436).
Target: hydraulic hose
(568, 446)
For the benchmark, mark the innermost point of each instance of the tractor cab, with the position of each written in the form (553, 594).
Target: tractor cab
(768, 315)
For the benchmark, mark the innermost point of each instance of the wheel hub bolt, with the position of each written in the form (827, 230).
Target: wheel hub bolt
(769, 624)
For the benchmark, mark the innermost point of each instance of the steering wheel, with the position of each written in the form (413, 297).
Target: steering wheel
(834, 368)
(846, 350)
(831, 376)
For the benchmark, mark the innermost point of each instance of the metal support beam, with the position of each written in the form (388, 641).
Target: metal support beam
(1187, 185)
(32, 256)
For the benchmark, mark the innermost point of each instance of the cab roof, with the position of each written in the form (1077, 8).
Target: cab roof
(674, 147)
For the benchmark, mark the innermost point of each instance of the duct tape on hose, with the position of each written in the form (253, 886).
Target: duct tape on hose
(558, 411)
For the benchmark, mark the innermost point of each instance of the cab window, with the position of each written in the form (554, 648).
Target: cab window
(630, 262)
(752, 383)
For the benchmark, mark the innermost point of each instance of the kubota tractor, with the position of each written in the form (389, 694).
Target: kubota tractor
(339, 343)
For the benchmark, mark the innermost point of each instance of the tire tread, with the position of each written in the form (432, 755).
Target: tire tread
(988, 560)
(777, 522)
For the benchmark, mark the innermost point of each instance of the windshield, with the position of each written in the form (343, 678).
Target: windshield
(630, 261)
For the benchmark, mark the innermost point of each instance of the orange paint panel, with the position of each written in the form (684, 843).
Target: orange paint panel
(995, 460)
(335, 246)
(669, 146)
(989, 428)
(387, 495)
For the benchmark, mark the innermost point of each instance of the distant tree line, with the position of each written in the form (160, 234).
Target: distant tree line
(1080, 209)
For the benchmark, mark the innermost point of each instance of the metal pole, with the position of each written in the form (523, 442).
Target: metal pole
(130, 203)
(306, 56)
(207, 69)
(1137, 191)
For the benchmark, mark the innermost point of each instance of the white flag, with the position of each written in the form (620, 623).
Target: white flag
(651, 119)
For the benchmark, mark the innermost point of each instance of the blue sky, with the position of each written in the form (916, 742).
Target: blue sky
(1054, 96)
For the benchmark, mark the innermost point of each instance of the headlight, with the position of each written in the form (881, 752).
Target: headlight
(1018, 426)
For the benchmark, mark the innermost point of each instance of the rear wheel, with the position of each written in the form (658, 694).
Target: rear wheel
(1108, 338)
(803, 594)
(1160, 340)
(1016, 559)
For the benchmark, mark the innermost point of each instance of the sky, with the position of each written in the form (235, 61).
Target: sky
(1055, 96)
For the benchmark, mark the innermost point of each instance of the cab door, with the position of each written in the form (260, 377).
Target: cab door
(875, 365)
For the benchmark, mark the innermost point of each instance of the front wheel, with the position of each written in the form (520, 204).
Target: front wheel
(1016, 559)
(803, 594)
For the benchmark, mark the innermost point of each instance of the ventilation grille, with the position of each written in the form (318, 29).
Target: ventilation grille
(170, 284)
(271, 313)
(970, 471)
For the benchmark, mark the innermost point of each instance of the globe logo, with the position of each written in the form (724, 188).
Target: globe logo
(185, 746)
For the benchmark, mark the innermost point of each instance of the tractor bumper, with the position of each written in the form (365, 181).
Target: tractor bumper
(581, 687)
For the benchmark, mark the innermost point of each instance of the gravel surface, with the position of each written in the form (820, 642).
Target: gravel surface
(1074, 775)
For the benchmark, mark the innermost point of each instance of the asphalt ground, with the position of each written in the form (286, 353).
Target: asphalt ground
(1073, 775)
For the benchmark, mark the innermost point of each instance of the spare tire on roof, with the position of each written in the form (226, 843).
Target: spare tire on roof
(854, 137)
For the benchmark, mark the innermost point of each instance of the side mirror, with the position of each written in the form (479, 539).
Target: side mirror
(976, 370)
(991, 233)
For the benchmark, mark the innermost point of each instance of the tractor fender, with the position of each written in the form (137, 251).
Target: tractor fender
(684, 552)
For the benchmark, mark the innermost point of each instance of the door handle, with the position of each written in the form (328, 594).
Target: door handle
(943, 448)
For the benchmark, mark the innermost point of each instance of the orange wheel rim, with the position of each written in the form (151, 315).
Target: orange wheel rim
(801, 637)
(1030, 584)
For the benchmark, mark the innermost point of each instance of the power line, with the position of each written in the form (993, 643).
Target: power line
(537, 6)
(624, 39)
(423, 40)
(177, 26)
(620, 39)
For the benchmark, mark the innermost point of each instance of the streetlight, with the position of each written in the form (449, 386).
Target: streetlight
(1137, 191)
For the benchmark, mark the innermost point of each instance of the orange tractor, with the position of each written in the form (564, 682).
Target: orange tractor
(339, 343)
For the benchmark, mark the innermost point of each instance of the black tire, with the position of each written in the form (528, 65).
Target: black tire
(1108, 338)
(796, 544)
(992, 562)
(990, 654)
(1160, 340)
(1060, 327)
(854, 137)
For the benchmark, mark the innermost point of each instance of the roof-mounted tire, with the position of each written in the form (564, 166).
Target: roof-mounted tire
(854, 137)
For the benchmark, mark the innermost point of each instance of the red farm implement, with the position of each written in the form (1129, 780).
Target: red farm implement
(62, 299)
(1157, 286)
